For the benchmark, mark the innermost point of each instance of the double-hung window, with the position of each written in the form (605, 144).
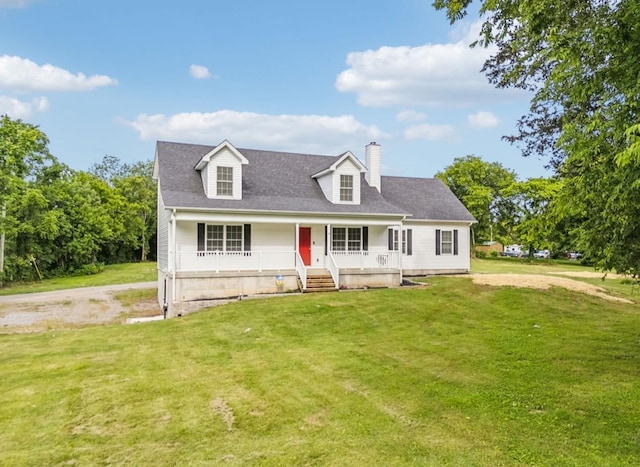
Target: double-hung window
(215, 237)
(234, 238)
(446, 242)
(224, 181)
(354, 238)
(346, 239)
(346, 187)
(224, 238)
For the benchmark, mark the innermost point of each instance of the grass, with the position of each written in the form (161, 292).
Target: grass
(524, 266)
(450, 374)
(111, 275)
(616, 286)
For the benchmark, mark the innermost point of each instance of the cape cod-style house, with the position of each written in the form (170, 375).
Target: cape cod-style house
(237, 221)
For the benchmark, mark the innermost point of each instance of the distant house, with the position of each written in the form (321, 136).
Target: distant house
(488, 247)
(237, 221)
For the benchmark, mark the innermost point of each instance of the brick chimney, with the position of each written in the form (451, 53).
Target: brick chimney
(372, 161)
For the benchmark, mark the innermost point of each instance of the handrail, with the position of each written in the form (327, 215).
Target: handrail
(302, 270)
(334, 270)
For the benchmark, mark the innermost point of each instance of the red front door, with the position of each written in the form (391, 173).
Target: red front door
(304, 245)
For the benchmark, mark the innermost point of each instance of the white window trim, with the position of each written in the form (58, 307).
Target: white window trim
(443, 243)
(229, 183)
(224, 236)
(346, 238)
(347, 189)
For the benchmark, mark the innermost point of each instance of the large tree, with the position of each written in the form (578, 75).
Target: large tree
(580, 60)
(23, 148)
(480, 185)
(135, 183)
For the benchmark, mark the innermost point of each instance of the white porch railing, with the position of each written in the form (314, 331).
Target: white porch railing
(216, 261)
(192, 260)
(333, 269)
(302, 270)
(367, 259)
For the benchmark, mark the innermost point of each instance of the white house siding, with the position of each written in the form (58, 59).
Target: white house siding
(424, 260)
(163, 251)
(204, 175)
(347, 167)
(163, 234)
(187, 236)
(264, 237)
(273, 237)
(326, 184)
(224, 158)
(378, 238)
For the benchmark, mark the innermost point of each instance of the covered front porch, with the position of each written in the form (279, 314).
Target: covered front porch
(353, 254)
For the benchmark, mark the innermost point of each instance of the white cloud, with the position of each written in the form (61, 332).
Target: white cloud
(18, 109)
(428, 75)
(22, 75)
(483, 119)
(199, 72)
(431, 132)
(299, 133)
(410, 116)
(15, 3)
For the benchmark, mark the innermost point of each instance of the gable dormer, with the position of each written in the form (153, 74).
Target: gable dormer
(340, 182)
(221, 172)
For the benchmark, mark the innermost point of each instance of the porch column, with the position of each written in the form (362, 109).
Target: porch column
(297, 246)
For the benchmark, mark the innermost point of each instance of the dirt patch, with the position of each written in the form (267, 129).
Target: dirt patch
(539, 281)
(69, 308)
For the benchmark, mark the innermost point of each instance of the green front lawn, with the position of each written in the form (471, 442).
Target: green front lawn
(452, 373)
(111, 275)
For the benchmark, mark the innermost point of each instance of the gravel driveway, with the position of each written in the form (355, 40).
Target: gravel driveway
(88, 305)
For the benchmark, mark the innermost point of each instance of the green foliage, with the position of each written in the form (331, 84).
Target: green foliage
(449, 374)
(531, 198)
(579, 59)
(479, 185)
(69, 220)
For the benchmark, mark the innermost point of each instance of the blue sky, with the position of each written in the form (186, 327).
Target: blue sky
(324, 77)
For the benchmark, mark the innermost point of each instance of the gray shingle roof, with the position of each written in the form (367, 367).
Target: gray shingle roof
(424, 198)
(279, 181)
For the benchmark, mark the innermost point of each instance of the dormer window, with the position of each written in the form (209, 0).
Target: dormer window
(224, 181)
(346, 187)
(221, 172)
(340, 181)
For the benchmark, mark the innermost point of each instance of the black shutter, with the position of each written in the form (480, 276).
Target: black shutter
(200, 237)
(247, 237)
(390, 239)
(409, 243)
(365, 238)
(326, 240)
(455, 242)
(437, 242)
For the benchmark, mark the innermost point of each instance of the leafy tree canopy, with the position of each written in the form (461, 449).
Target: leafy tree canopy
(580, 60)
(479, 185)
